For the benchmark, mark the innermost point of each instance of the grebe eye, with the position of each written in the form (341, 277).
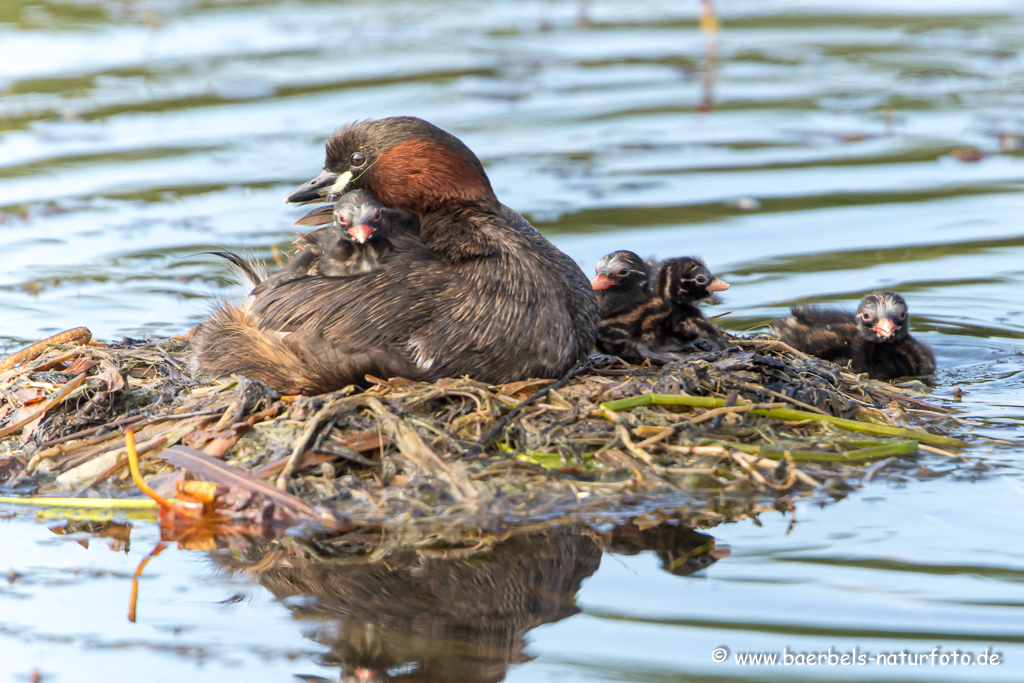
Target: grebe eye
(357, 160)
(622, 272)
(701, 280)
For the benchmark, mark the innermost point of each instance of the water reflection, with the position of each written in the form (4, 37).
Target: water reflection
(456, 615)
(134, 134)
(119, 533)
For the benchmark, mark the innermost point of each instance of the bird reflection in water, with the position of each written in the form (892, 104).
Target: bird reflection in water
(455, 615)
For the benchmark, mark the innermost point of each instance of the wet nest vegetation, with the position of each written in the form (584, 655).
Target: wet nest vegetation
(713, 437)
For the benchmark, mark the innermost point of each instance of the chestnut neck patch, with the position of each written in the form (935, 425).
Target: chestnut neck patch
(418, 175)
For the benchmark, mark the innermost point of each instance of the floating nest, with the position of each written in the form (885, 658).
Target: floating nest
(713, 437)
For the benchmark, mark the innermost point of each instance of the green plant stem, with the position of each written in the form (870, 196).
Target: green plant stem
(782, 414)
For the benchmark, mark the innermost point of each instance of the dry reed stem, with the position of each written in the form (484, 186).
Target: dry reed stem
(329, 410)
(77, 335)
(639, 453)
(68, 388)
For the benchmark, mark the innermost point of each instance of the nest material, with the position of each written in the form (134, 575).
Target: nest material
(714, 436)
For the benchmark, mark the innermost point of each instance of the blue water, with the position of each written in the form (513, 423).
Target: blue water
(805, 152)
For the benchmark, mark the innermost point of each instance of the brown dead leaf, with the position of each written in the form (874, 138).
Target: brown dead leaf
(21, 414)
(219, 446)
(144, 372)
(30, 428)
(80, 365)
(113, 378)
(27, 396)
(529, 386)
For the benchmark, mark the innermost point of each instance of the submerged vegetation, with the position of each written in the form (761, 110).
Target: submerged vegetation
(714, 437)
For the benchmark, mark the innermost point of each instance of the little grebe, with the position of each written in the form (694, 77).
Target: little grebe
(482, 294)
(876, 339)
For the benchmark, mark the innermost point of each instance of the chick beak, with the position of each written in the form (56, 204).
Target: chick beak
(601, 281)
(321, 215)
(360, 233)
(315, 190)
(884, 328)
(717, 285)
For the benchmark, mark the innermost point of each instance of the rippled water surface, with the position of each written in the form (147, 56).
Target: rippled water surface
(811, 152)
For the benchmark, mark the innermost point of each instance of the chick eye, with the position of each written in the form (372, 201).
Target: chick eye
(865, 316)
(902, 315)
(376, 215)
(701, 280)
(357, 160)
(622, 272)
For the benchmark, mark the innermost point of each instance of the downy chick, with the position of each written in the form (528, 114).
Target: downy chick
(876, 339)
(640, 321)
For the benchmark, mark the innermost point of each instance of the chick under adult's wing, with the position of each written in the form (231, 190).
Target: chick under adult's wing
(827, 333)
(231, 341)
(445, 323)
(514, 315)
(323, 252)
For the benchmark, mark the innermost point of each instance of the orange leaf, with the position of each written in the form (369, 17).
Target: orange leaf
(204, 491)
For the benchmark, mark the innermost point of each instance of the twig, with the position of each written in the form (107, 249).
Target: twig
(938, 451)
(68, 388)
(875, 468)
(91, 503)
(133, 466)
(716, 414)
(102, 475)
(760, 478)
(632, 448)
(716, 420)
(505, 421)
(767, 341)
(328, 411)
(713, 414)
(776, 394)
(123, 422)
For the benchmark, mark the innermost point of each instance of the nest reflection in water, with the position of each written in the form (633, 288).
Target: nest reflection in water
(430, 617)
(466, 514)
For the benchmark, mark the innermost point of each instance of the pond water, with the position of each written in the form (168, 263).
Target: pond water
(810, 151)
